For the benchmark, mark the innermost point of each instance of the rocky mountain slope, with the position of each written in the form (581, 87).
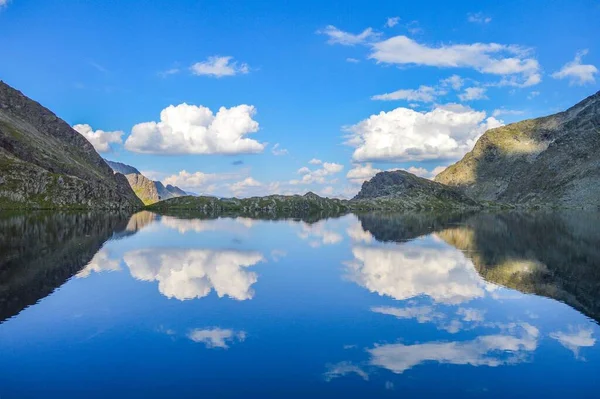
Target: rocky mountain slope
(44, 163)
(149, 191)
(402, 190)
(549, 161)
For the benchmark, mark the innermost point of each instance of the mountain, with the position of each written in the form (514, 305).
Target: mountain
(147, 190)
(402, 190)
(44, 163)
(122, 168)
(549, 161)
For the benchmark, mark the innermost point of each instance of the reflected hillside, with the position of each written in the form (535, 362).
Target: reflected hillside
(554, 255)
(40, 251)
(407, 226)
(311, 217)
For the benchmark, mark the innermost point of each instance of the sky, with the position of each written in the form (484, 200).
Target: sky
(244, 98)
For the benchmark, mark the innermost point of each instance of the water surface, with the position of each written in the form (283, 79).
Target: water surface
(368, 306)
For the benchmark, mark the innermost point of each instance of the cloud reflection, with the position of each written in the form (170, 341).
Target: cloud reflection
(193, 273)
(574, 339)
(406, 271)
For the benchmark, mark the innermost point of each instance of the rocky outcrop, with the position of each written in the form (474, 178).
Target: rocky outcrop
(403, 190)
(550, 161)
(44, 163)
(147, 190)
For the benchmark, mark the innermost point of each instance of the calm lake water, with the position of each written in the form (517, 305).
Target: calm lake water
(368, 306)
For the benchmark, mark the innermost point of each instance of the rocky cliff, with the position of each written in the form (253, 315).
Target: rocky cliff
(149, 191)
(44, 163)
(403, 190)
(549, 161)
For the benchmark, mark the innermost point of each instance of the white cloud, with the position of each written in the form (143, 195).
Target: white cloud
(492, 58)
(576, 72)
(473, 93)
(278, 151)
(471, 314)
(503, 111)
(392, 21)
(407, 271)
(100, 139)
(219, 66)
(169, 72)
(315, 161)
(193, 273)
(533, 94)
(183, 226)
(352, 60)
(478, 18)
(403, 134)
(198, 182)
(318, 176)
(422, 172)
(422, 94)
(357, 234)
(337, 36)
(216, 337)
(191, 129)
(362, 173)
(454, 81)
(487, 350)
(240, 187)
(575, 339)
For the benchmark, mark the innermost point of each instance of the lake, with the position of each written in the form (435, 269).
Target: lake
(357, 306)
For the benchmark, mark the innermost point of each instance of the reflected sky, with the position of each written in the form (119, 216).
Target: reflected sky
(360, 306)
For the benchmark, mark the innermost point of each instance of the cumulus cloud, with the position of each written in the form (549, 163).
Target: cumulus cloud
(337, 36)
(424, 94)
(454, 81)
(361, 173)
(487, 350)
(478, 18)
(406, 271)
(315, 161)
(238, 188)
(216, 337)
(278, 151)
(492, 58)
(198, 182)
(403, 134)
(193, 273)
(219, 66)
(392, 21)
(473, 93)
(100, 139)
(577, 73)
(575, 339)
(317, 175)
(191, 129)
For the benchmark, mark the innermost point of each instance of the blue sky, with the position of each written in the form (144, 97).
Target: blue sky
(358, 86)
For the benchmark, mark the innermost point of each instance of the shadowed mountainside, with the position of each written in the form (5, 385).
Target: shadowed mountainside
(44, 163)
(549, 161)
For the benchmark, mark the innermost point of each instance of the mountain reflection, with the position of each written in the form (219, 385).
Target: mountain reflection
(550, 254)
(40, 251)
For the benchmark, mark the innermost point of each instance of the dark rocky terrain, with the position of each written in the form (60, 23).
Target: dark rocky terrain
(44, 163)
(550, 161)
(402, 190)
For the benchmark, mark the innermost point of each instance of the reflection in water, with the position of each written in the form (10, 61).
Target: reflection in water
(193, 273)
(512, 347)
(406, 271)
(575, 339)
(319, 234)
(216, 337)
(40, 251)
